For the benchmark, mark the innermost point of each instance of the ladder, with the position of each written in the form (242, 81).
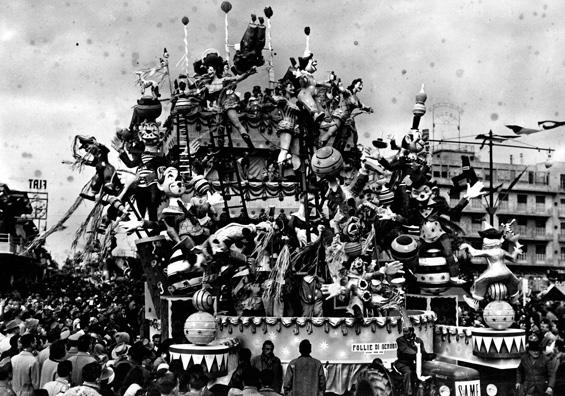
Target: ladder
(225, 163)
(184, 159)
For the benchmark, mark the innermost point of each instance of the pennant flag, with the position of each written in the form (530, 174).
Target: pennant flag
(550, 124)
(498, 343)
(488, 342)
(197, 358)
(509, 341)
(478, 342)
(175, 356)
(185, 360)
(210, 361)
(517, 129)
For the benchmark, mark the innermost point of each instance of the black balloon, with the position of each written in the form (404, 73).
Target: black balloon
(268, 12)
(307, 30)
(184, 20)
(226, 6)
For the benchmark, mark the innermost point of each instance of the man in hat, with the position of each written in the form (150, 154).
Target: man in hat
(12, 328)
(535, 375)
(305, 375)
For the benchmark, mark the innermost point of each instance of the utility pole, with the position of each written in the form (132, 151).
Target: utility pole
(491, 208)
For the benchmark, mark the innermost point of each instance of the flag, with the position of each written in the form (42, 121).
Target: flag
(550, 124)
(519, 130)
(495, 138)
(467, 175)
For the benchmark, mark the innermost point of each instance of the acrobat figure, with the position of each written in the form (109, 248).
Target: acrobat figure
(221, 90)
(497, 271)
(286, 128)
(349, 102)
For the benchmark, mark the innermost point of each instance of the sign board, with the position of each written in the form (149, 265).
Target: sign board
(37, 184)
(376, 348)
(468, 388)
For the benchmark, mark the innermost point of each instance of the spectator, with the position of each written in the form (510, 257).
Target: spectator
(5, 371)
(197, 381)
(406, 352)
(559, 363)
(236, 380)
(268, 361)
(52, 336)
(535, 375)
(14, 349)
(12, 329)
(90, 376)
(57, 353)
(167, 385)
(25, 367)
(62, 383)
(81, 359)
(267, 389)
(305, 375)
(250, 378)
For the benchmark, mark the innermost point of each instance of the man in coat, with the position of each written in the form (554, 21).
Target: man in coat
(305, 375)
(535, 375)
(268, 361)
(406, 353)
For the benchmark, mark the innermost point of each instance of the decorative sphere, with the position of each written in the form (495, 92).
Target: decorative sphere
(497, 291)
(200, 328)
(184, 20)
(203, 300)
(226, 6)
(498, 315)
(326, 161)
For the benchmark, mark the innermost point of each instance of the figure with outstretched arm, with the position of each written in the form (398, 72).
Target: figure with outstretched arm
(221, 89)
(497, 271)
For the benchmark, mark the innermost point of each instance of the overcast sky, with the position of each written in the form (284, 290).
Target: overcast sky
(68, 68)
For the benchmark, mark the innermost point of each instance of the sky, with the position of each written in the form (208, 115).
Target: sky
(69, 66)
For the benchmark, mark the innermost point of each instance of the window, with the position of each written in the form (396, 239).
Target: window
(531, 177)
(524, 255)
(562, 204)
(503, 204)
(562, 181)
(562, 230)
(522, 202)
(540, 227)
(522, 225)
(540, 253)
(540, 202)
(562, 255)
(476, 223)
(444, 171)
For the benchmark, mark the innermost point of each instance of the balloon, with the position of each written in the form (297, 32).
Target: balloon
(184, 20)
(307, 30)
(226, 6)
(268, 12)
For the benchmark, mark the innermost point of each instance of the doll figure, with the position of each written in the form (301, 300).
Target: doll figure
(221, 89)
(286, 128)
(87, 151)
(349, 102)
(147, 158)
(307, 66)
(497, 271)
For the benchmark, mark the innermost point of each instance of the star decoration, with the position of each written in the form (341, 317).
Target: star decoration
(324, 345)
(273, 335)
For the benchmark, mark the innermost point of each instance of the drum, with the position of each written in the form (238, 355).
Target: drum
(214, 358)
(148, 109)
(326, 161)
(432, 272)
(499, 344)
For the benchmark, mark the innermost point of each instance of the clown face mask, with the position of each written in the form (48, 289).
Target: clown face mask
(422, 194)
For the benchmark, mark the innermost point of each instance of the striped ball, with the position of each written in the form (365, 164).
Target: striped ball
(404, 248)
(203, 300)
(497, 291)
(200, 328)
(326, 161)
(353, 249)
(201, 185)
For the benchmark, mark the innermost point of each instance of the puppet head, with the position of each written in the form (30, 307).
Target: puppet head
(150, 134)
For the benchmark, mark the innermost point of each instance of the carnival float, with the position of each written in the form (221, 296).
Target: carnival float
(262, 216)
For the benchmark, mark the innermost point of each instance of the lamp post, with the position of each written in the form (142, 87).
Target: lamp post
(491, 138)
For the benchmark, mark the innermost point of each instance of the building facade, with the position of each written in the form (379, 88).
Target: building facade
(537, 203)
